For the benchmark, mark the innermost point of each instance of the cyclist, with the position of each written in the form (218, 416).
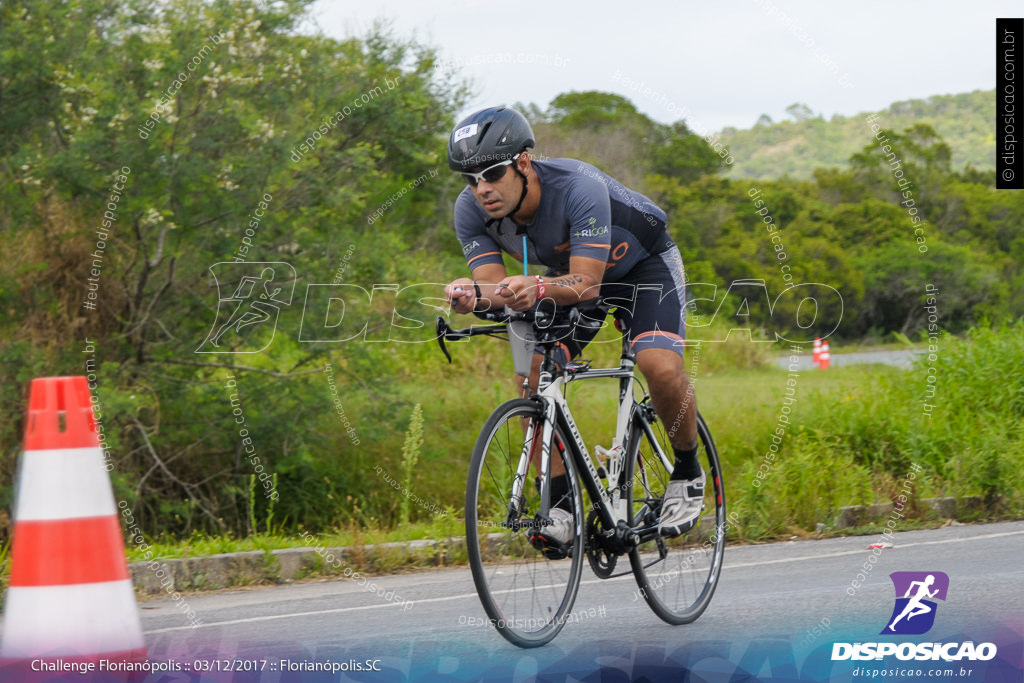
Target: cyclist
(603, 244)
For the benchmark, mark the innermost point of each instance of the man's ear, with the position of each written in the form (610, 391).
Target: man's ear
(523, 162)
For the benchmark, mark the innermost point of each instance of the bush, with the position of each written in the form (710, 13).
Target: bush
(967, 433)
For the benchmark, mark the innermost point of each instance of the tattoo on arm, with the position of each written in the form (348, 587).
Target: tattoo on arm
(567, 281)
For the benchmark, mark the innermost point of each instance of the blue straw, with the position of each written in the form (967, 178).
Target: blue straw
(525, 257)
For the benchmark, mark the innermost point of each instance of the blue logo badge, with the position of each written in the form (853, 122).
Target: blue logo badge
(914, 612)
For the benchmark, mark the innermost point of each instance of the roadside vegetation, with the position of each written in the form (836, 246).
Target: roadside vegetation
(327, 401)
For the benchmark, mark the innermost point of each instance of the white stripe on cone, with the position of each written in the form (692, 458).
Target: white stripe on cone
(64, 483)
(79, 619)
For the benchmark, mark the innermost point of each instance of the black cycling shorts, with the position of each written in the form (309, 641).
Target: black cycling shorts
(649, 303)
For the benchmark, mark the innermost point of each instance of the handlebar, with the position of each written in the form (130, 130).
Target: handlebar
(545, 319)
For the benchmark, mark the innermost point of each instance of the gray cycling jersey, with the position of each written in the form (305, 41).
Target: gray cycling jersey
(583, 212)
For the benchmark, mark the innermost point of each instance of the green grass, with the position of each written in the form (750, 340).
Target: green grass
(442, 527)
(854, 431)
(734, 423)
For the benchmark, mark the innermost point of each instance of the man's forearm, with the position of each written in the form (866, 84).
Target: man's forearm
(571, 289)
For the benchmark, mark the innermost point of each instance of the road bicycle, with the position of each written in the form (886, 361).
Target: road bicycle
(528, 584)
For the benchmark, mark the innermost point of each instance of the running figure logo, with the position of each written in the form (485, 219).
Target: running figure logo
(250, 298)
(914, 612)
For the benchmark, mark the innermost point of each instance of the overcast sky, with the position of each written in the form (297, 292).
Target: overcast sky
(716, 65)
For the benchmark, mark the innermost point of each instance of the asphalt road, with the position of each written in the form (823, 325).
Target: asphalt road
(901, 358)
(778, 594)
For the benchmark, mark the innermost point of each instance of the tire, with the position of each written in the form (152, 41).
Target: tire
(679, 585)
(525, 594)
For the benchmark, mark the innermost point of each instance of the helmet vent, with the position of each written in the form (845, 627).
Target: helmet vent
(484, 129)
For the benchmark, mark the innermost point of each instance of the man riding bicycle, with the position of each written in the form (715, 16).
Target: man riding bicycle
(602, 243)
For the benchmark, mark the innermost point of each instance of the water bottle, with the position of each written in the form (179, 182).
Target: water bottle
(604, 456)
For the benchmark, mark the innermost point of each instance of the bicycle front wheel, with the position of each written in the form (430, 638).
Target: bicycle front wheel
(526, 589)
(676, 576)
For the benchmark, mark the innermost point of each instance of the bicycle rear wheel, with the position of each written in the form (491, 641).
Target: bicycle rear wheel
(677, 577)
(525, 592)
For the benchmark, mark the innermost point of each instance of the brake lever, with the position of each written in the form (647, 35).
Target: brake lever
(442, 330)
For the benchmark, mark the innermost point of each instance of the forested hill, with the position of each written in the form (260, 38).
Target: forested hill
(798, 146)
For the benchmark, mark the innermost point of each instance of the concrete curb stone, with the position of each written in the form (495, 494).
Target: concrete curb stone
(282, 566)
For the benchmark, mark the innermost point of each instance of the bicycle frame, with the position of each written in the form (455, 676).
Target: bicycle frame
(609, 502)
(631, 422)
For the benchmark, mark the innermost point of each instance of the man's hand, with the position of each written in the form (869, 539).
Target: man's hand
(461, 294)
(518, 292)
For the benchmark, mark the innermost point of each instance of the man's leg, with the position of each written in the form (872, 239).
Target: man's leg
(657, 327)
(561, 528)
(557, 465)
(672, 393)
(676, 406)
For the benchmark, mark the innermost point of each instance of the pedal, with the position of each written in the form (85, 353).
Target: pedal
(551, 548)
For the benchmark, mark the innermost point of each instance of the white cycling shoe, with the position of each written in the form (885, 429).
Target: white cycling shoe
(555, 539)
(681, 506)
(561, 527)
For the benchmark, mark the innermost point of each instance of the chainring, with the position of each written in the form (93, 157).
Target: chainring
(600, 560)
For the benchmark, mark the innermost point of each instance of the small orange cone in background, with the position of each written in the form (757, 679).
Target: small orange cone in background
(70, 596)
(816, 354)
(824, 358)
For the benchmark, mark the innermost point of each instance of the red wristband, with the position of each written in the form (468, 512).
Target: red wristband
(540, 287)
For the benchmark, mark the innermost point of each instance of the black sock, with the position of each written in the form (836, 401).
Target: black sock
(560, 494)
(687, 466)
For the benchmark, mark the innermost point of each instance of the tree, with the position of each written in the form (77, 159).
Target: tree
(594, 109)
(608, 130)
(799, 111)
(198, 112)
(896, 274)
(681, 154)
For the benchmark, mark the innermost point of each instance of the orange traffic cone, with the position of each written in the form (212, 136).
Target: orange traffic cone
(816, 354)
(824, 356)
(70, 598)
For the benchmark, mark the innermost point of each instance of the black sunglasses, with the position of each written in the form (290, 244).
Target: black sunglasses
(491, 174)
